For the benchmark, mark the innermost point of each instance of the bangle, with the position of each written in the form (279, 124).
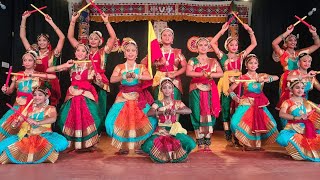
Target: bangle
(270, 78)
(282, 37)
(106, 22)
(251, 33)
(22, 26)
(315, 37)
(55, 69)
(174, 112)
(157, 115)
(232, 94)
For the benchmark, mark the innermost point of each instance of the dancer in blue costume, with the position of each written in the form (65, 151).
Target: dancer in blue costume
(24, 82)
(35, 143)
(308, 78)
(252, 123)
(301, 135)
(127, 122)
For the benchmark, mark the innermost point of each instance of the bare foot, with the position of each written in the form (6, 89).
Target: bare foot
(139, 151)
(122, 152)
(207, 149)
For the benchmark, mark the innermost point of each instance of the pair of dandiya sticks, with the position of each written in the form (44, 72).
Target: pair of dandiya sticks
(9, 73)
(83, 8)
(296, 23)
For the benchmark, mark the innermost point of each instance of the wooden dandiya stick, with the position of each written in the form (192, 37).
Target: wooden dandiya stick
(8, 77)
(300, 21)
(84, 61)
(38, 10)
(30, 12)
(303, 21)
(84, 7)
(95, 6)
(245, 80)
(235, 15)
(16, 111)
(26, 108)
(16, 74)
(231, 19)
(313, 105)
(317, 72)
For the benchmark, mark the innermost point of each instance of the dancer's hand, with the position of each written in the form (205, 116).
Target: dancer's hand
(69, 64)
(304, 116)
(48, 18)
(98, 77)
(4, 88)
(74, 17)
(290, 29)
(32, 122)
(105, 17)
(225, 27)
(26, 14)
(247, 27)
(313, 30)
(171, 75)
(312, 73)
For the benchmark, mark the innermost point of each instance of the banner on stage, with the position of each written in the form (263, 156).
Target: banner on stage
(165, 10)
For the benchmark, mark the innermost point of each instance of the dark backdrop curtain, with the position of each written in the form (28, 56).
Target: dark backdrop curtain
(269, 19)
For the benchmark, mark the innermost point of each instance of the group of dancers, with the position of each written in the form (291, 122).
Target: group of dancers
(146, 123)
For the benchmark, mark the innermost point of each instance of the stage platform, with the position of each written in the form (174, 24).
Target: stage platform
(223, 163)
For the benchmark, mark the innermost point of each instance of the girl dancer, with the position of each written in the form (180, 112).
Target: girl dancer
(300, 137)
(170, 142)
(232, 66)
(204, 97)
(168, 65)
(24, 82)
(252, 123)
(98, 55)
(35, 143)
(308, 78)
(288, 56)
(127, 122)
(79, 119)
(46, 56)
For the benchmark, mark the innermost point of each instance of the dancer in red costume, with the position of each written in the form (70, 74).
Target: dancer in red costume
(46, 56)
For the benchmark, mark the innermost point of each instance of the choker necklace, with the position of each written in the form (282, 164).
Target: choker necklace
(79, 71)
(168, 58)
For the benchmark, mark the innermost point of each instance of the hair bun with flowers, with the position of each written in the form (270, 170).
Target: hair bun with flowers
(167, 29)
(193, 43)
(46, 36)
(99, 34)
(43, 88)
(293, 82)
(32, 53)
(228, 40)
(166, 80)
(249, 57)
(125, 42)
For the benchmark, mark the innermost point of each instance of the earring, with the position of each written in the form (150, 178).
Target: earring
(47, 101)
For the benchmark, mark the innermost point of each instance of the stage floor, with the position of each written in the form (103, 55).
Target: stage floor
(223, 163)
